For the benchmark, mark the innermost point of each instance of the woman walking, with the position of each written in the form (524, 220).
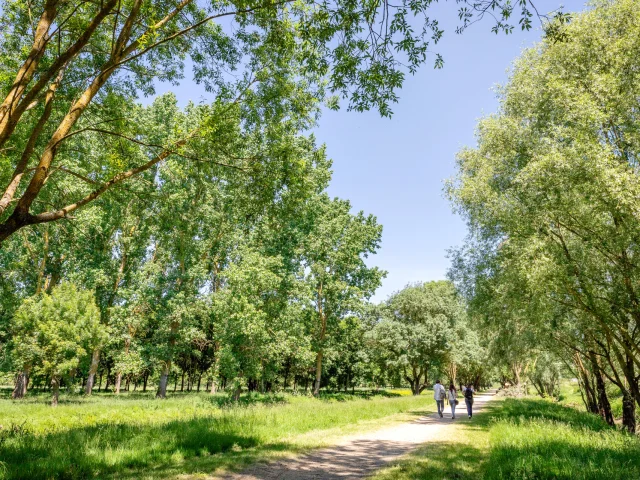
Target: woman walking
(453, 400)
(468, 399)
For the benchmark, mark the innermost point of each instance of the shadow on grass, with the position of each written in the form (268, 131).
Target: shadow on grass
(129, 451)
(448, 460)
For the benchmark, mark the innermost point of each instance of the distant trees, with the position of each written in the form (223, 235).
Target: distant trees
(551, 198)
(422, 332)
(208, 280)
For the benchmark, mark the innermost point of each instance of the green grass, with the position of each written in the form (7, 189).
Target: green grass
(525, 439)
(136, 436)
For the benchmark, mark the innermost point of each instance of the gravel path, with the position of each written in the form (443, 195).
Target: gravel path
(359, 456)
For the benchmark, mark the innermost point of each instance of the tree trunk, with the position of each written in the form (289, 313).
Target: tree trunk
(164, 379)
(236, 393)
(118, 381)
(604, 407)
(93, 369)
(55, 384)
(144, 382)
(182, 382)
(22, 381)
(589, 396)
(108, 376)
(316, 387)
(100, 381)
(628, 412)
(213, 387)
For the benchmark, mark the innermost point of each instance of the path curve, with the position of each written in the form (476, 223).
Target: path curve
(360, 456)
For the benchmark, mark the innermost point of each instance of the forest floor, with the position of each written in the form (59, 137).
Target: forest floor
(359, 456)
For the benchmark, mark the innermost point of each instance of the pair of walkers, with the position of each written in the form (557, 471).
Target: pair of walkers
(440, 394)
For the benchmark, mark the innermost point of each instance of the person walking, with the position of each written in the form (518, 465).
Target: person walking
(468, 399)
(453, 400)
(439, 394)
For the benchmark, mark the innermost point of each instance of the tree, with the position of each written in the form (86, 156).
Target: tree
(550, 195)
(334, 269)
(72, 70)
(52, 333)
(418, 330)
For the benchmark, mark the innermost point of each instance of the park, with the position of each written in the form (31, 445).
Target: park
(256, 240)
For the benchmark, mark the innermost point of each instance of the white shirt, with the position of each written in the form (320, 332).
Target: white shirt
(437, 388)
(452, 395)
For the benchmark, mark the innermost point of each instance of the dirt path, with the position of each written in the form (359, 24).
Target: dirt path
(360, 456)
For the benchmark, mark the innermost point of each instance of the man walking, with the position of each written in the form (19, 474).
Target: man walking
(439, 394)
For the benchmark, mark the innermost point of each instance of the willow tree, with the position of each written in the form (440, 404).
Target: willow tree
(553, 185)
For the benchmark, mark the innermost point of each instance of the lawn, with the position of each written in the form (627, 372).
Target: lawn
(525, 439)
(136, 436)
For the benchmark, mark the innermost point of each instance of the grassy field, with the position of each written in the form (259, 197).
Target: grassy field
(525, 439)
(136, 436)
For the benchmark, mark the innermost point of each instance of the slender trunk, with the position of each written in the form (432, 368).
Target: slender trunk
(106, 387)
(199, 379)
(93, 369)
(164, 379)
(316, 387)
(100, 381)
(22, 380)
(55, 384)
(213, 387)
(144, 382)
(118, 381)
(604, 407)
(589, 395)
(182, 382)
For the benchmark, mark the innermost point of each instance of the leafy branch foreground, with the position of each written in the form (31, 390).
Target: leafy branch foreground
(525, 439)
(136, 437)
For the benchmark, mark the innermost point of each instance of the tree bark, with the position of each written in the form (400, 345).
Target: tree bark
(22, 381)
(604, 407)
(628, 411)
(164, 379)
(316, 386)
(93, 369)
(589, 398)
(118, 381)
(27, 70)
(55, 384)
(213, 387)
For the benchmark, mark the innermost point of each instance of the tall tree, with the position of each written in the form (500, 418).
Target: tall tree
(334, 267)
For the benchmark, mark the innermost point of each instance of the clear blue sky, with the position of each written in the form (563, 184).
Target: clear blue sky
(395, 168)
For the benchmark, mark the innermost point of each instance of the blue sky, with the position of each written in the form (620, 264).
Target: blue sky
(395, 168)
